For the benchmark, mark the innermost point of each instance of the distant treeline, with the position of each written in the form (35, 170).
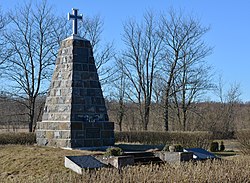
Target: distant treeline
(219, 118)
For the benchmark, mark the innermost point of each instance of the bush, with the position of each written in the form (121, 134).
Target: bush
(187, 139)
(176, 148)
(166, 148)
(214, 147)
(222, 146)
(113, 151)
(17, 138)
(243, 137)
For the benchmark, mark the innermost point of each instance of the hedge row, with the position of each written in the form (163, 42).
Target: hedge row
(243, 136)
(186, 139)
(17, 138)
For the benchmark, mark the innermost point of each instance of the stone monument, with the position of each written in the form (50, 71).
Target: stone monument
(75, 114)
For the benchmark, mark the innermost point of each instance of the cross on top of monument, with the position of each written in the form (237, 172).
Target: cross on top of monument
(74, 17)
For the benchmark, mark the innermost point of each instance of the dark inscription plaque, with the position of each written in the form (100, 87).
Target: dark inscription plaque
(93, 133)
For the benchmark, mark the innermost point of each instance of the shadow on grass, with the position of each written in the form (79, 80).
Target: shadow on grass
(225, 153)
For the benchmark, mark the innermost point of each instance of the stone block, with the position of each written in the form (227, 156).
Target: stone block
(90, 109)
(92, 68)
(107, 134)
(108, 125)
(78, 100)
(78, 108)
(76, 126)
(91, 92)
(97, 101)
(83, 92)
(79, 134)
(77, 76)
(121, 161)
(97, 125)
(93, 133)
(62, 125)
(85, 67)
(174, 157)
(77, 117)
(40, 134)
(100, 109)
(94, 84)
(78, 83)
(78, 67)
(91, 60)
(108, 142)
(49, 134)
(85, 75)
(93, 76)
(97, 143)
(88, 143)
(65, 135)
(78, 163)
(42, 141)
(45, 117)
(88, 125)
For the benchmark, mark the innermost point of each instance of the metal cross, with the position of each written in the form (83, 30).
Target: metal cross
(74, 16)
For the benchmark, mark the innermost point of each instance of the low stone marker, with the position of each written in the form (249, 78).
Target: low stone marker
(117, 161)
(174, 157)
(78, 163)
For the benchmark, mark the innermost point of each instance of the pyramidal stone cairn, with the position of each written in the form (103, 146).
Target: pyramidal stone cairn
(75, 114)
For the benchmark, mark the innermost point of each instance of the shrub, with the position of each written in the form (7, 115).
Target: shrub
(113, 151)
(214, 147)
(176, 148)
(17, 138)
(243, 137)
(166, 148)
(222, 146)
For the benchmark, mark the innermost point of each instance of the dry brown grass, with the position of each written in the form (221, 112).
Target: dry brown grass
(42, 164)
(23, 163)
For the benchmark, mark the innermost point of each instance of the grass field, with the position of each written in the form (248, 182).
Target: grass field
(24, 163)
(19, 163)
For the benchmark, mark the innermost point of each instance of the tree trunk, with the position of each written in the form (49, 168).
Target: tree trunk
(32, 114)
(120, 120)
(146, 117)
(184, 120)
(166, 114)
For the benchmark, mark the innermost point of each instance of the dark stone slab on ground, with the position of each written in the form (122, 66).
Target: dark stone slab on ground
(201, 154)
(78, 163)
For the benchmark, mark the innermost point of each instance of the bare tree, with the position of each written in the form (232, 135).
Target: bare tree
(189, 84)
(32, 44)
(227, 112)
(120, 91)
(141, 59)
(3, 51)
(185, 50)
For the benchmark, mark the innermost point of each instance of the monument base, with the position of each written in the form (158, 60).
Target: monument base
(77, 135)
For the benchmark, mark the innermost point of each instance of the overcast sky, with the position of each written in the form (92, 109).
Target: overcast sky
(229, 21)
